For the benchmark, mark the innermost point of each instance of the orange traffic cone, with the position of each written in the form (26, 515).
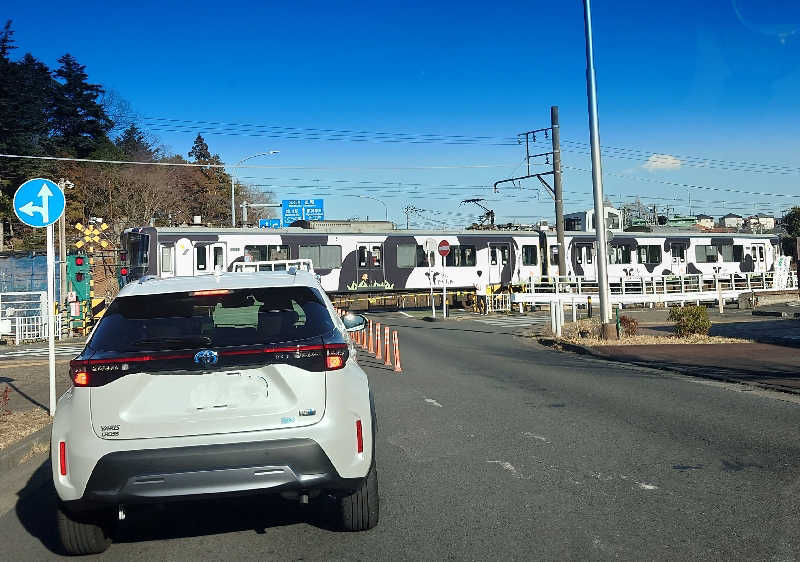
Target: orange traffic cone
(378, 350)
(388, 353)
(370, 346)
(397, 368)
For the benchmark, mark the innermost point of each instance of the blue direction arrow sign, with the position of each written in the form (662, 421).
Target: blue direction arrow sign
(39, 202)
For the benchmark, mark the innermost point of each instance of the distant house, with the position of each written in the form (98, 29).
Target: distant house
(761, 222)
(584, 220)
(731, 220)
(706, 221)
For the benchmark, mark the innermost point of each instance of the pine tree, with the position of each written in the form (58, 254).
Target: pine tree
(79, 122)
(6, 41)
(134, 145)
(200, 151)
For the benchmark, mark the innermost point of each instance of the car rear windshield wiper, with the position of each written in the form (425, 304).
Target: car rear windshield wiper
(166, 343)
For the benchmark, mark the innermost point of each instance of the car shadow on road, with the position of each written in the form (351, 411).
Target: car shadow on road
(36, 507)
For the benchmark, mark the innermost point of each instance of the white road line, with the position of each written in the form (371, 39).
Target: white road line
(407, 315)
(433, 402)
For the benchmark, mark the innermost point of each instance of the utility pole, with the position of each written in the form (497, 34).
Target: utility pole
(608, 329)
(557, 191)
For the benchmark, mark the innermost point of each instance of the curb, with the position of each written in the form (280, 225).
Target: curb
(776, 313)
(14, 455)
(687, 371)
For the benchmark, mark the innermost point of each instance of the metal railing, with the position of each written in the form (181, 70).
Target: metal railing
(656, 289)
(34, 328)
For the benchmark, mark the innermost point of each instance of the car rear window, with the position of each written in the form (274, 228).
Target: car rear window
(233, 318)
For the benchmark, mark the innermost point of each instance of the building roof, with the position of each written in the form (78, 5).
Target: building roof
(732, 216)
(699, 217)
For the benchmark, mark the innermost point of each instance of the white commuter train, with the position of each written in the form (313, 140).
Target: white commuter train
(395, 260)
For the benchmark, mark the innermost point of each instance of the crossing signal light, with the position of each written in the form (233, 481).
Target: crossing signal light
(79, 276)
(79, 260)
(123, 271)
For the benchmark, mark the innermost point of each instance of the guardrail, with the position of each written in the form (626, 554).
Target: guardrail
(656, 289)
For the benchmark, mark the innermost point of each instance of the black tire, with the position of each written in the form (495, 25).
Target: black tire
(359, 511)
(81, 534)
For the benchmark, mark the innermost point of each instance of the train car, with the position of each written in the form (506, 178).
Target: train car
(395, 260)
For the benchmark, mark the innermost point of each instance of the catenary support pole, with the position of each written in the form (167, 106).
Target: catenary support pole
(597, 178)
(558, 192)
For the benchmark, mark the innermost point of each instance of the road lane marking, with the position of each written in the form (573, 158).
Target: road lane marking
(406, 314)
(433, 402)
(537, 437)
(644, 486)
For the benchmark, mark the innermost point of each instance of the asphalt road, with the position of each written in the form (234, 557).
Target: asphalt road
(491, 447)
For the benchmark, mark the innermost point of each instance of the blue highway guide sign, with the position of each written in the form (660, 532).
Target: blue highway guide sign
(39, 202)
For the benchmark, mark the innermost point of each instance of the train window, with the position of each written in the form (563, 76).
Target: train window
(200, 252)
(422, 259)
(376, 256)
(588, 250)
(761, 253)
(166, 259)
(493, 256)
(504, 254)
(218, 257)
(571, 224)
(619, 254)
(612, 220)
(553, 255)
(363, 256)
(266, 253)
(407, 255)
(461, 256)
(322, 257)
(678, 253)
(279, 252)
(727, 252)
(649, 255)
(706, 254)
(530, 255)
(738, 252)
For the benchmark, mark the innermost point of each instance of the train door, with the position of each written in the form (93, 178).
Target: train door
(678, 258)
(369, 265)
(499, 263)
(202, 262)
(759, 254)
(166, 257)
(584, 256)
(543, 254)
(218, 256)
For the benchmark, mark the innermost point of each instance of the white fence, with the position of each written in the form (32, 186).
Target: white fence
(23, 316)
(678, 289)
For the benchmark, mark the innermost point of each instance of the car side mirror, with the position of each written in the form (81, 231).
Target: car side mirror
(354, 322)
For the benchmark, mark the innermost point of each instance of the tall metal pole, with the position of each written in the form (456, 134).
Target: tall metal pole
(556, 136)
(233, 204)
(51, 325)
(62, 258)
(597, 176)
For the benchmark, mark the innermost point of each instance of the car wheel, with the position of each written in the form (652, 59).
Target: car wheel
(359, 510)
(81, 534)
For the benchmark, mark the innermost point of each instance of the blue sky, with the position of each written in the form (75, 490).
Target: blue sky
(716, 80)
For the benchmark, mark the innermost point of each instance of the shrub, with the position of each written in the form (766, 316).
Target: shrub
(690, 320)
(628, 325)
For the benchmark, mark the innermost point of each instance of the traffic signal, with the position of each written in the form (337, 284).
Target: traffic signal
(79, 276)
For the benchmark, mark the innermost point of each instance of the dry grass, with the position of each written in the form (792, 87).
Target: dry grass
(19, 424)
(695, 339)
(587, 332)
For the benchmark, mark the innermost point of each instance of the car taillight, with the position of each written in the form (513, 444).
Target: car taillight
(335, 356)
(78, 372)
(62, 458)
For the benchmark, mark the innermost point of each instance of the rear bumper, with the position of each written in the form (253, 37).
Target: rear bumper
(288, 466)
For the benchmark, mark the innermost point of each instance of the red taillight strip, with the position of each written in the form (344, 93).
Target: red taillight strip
(140, 358)
(273, 350)
(359, 437)
(62, 458)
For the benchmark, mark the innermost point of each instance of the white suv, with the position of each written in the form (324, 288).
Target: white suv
(235, 383)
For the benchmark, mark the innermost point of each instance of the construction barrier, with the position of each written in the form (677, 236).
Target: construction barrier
(397, 368)
(370, 346)
(378, 352)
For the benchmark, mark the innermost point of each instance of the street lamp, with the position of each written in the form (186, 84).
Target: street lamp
(233, 181)
(385, 208)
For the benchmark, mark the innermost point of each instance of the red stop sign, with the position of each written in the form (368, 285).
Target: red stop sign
(444, 248)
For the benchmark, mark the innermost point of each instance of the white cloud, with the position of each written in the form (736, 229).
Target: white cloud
(661, 162)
